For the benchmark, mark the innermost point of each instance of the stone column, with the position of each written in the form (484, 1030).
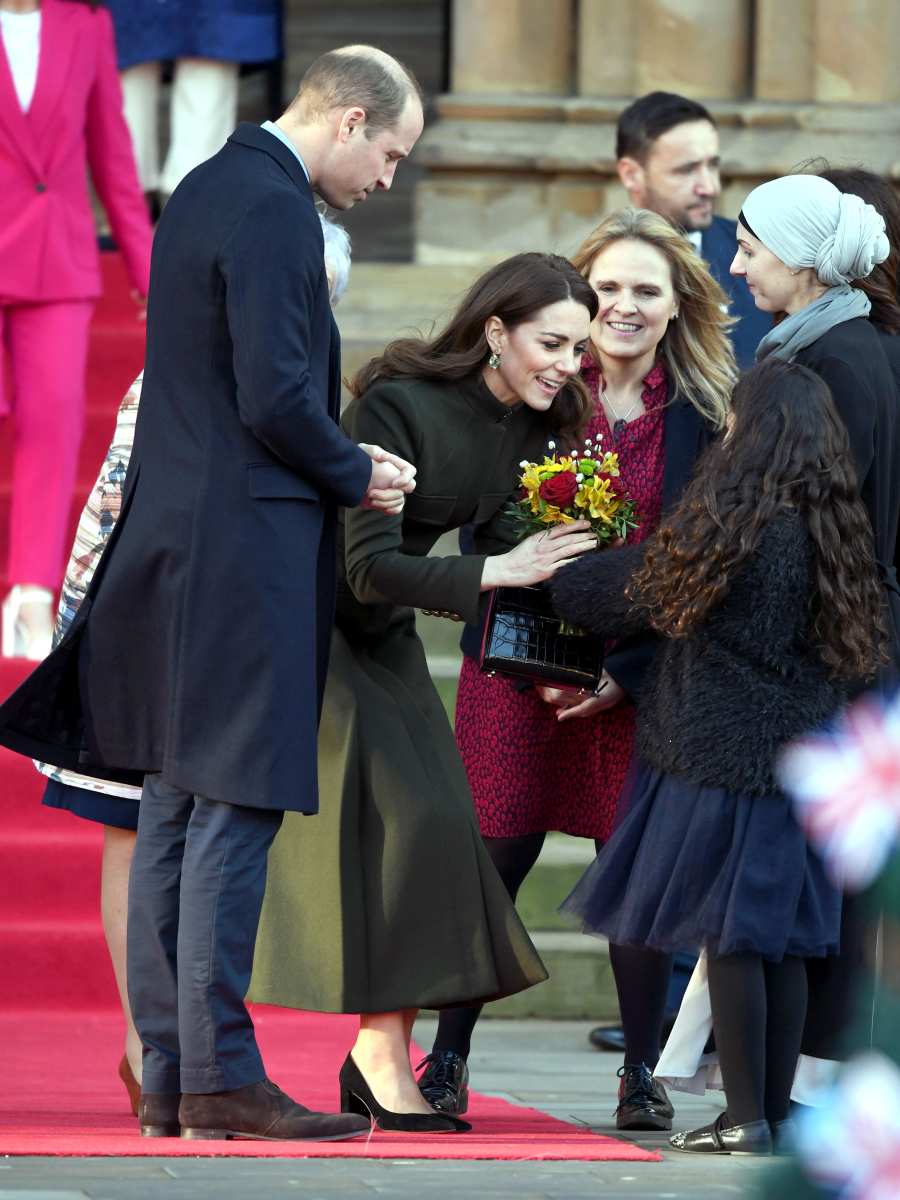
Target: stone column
(697, 47)
(606, 46)
(783, 43)
(513, 46)
(856, 45)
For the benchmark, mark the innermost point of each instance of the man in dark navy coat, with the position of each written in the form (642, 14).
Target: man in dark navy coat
(667, 151)
(198, 657)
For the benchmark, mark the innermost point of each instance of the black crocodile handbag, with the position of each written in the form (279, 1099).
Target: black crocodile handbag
(523, 640)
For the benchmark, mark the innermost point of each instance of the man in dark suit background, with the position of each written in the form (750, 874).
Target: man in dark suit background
(667, 151)
(198, 657)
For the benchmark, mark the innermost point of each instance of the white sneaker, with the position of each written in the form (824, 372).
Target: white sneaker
(27, 622)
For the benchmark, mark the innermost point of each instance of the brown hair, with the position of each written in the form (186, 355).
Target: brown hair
(358, 75)
(787, 451)
(882, 285)
(514, 290)
(695, 349)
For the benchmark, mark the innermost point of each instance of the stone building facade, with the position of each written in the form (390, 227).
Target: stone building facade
(521, 152)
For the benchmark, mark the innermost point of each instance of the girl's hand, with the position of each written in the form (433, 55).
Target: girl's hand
(609, 695)
(561, 697)
(539, 556)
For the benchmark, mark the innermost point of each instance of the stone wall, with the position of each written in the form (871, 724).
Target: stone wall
(522, 152)
(416, 32)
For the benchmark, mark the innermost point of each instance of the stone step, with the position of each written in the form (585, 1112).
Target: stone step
(580, 986)
(561, 864)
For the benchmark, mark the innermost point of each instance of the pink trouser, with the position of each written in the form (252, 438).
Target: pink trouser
(47, 348)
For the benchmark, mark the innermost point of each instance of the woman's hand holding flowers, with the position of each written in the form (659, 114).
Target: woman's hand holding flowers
(539, 556)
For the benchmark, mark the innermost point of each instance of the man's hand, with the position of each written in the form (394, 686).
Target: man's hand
(393, 478)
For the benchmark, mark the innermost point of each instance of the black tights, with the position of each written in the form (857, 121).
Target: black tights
(758, 1011)
(642, 983)
(642, 975)
(513, 857)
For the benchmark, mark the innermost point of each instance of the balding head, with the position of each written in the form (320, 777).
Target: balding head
(358, 77)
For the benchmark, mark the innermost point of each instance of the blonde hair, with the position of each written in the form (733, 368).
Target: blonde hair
(695, 349)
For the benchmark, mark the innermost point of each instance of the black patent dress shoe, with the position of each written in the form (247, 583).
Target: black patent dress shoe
(158, 1114)
(608, 1037)
(643, 1103)
(445, 1081)
(356, 1097)
(722, 1138)
(612, 1037)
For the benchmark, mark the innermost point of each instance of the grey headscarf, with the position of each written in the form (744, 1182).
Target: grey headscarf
(806, 222)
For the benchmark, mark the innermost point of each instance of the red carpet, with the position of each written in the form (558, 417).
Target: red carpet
(60, 1095)
(60, 1029)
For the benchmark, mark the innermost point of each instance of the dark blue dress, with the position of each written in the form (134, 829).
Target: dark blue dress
(93, 806)
(242, 31)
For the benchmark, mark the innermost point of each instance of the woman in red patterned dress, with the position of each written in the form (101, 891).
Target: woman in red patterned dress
(660, 372)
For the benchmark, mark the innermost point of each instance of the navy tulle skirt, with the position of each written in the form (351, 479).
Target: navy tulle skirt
(693, 866)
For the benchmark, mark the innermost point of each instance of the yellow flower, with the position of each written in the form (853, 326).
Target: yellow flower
(555, 516)
(598, 498)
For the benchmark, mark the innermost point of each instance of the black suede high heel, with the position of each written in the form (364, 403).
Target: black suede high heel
(356, 1097)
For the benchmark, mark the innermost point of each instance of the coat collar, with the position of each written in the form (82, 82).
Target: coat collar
(58, 45)
(248, 134)
(482, 400)
(60, 37)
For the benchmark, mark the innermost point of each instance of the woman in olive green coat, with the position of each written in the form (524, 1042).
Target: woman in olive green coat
(386, 902)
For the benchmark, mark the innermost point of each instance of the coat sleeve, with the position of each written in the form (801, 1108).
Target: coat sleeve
(111, 159)
(591, 592)
(859, 418)
(378, 569)
(274, 274)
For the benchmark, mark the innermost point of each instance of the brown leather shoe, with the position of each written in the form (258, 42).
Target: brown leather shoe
(132, 1087)
(158, 1114)
(263, 1112)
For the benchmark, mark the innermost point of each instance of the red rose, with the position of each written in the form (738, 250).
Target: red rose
(559, 489)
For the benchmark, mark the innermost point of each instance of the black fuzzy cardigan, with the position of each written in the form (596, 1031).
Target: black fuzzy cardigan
(716, 706)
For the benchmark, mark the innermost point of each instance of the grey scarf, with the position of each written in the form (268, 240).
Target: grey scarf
(801, 329)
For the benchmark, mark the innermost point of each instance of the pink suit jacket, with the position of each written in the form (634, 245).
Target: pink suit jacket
(48, 243)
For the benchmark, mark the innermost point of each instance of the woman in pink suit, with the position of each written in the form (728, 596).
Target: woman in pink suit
(60, 114)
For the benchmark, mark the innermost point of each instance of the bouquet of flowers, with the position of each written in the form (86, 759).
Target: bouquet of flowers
(575, 486)
(523, 636)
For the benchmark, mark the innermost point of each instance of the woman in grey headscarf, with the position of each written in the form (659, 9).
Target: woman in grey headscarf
(801, 243)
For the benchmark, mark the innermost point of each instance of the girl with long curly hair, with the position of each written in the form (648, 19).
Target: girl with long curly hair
(764, 585)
